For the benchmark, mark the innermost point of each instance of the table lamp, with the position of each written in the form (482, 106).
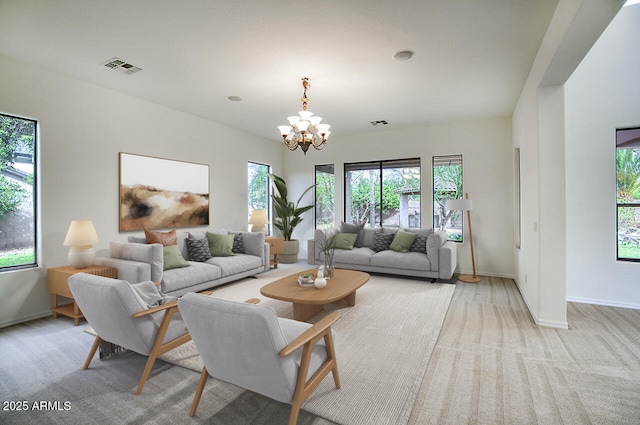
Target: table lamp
(80, 237)
(465, 205)
(259, 221)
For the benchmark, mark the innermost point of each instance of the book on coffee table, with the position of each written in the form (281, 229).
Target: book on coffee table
(306, 279)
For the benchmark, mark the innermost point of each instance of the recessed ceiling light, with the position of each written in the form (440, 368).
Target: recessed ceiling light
(235, 98)
(404, 55)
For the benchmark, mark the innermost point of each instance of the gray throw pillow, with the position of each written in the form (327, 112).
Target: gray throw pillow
(353, 228)
(381, 241)
(198, 250)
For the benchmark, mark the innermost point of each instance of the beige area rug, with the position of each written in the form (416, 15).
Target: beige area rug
(383, 346)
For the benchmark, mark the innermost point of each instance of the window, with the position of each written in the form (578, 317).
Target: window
(383, 193)
(325, 196)
(17, 193)
(628, 193)
(258, 188)
(447, 184)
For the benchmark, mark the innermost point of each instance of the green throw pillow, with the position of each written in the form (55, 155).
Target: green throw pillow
(220, 245)
(172, 258)
(344, 240)
(402, 241)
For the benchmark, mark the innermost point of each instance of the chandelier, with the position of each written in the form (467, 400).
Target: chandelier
(304, 129)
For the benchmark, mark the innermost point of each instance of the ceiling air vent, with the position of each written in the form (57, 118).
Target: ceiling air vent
(122, 66)
(379, 122)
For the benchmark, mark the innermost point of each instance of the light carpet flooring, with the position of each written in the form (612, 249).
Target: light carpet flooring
(383, 347)
(490, 365)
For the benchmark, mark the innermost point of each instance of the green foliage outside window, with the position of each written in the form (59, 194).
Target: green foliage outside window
(16, 138)
(628, 202)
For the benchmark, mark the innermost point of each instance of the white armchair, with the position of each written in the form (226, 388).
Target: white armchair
(118, 315)
(249, 346)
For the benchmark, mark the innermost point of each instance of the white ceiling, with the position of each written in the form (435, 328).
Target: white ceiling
(471, 60)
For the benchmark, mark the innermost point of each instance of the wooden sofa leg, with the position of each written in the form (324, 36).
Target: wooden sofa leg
(92, 352)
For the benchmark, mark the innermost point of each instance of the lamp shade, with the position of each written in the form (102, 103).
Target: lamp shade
(81, 233)
(459, 204)
(80, 237)
(258, 221)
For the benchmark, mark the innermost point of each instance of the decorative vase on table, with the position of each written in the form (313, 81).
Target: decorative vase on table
(328, 268)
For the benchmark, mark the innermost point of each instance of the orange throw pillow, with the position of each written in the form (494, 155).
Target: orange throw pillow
(164, 238)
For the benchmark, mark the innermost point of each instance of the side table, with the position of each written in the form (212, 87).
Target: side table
(57, 285)
(275, 248)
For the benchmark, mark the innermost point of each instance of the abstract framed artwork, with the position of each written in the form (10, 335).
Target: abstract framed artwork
(157, 193)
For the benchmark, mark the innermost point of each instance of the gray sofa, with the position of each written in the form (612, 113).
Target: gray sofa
(137, 261)
(435, 260)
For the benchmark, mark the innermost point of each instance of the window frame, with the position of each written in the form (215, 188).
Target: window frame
(380, 165)
(628, 138)
(317, 168)
(452, 158)
(268, 194)
(35, 198)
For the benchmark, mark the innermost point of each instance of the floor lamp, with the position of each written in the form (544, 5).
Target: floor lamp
(465, 205)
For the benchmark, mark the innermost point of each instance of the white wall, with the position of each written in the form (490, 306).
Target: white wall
(488, 178)
(539, 131)
(601, 96)
(82, 129)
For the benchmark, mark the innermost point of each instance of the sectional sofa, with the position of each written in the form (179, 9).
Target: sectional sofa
(176, 270)
(428, 255)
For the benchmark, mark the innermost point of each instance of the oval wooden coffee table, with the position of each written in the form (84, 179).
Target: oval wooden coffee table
(309, 301)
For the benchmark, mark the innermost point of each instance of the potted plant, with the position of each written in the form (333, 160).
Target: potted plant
(288, 216)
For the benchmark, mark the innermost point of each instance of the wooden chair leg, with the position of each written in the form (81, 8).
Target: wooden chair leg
(156, 350)
(331, 353)
(295, 412)
(92, 352)
(196, 398)
(145, 374)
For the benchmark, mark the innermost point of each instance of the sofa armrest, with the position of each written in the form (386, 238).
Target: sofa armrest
(129, 270)
(311, 251)
(448, 260)
(267, 256)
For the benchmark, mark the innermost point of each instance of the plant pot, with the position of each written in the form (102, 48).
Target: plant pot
(289, 252)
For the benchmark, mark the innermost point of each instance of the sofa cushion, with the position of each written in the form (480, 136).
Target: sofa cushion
(184, 277)
(359, 256)
(381, 241)
(344, 241)
(368, 236)
(144, 253)
(164, 238)
(172, 258)
(198, 250)
(253, 243)
(401, 260)
(220, 245)
(356, 229)
(236, 264)
(402, 241)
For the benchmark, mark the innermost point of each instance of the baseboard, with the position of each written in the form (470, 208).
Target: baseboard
(537, 320)
(608, 303)
(18, 320)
